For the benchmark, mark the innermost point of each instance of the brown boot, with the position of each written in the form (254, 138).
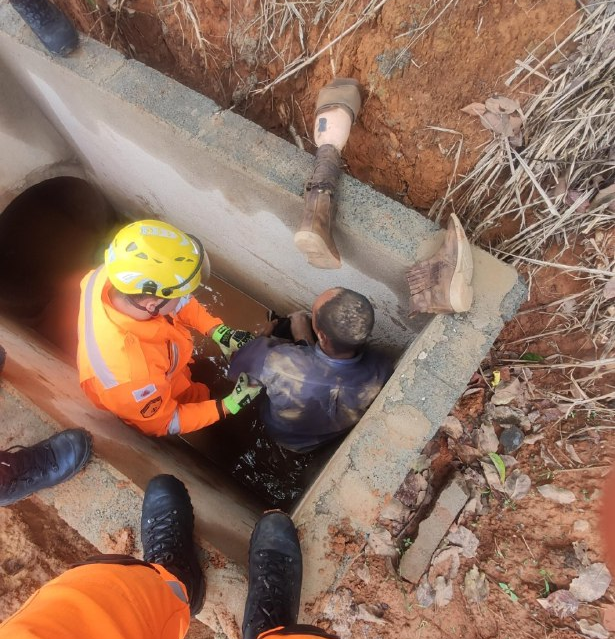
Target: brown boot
(441, 284)
(314, 237)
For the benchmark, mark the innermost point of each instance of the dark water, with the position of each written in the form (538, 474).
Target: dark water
(239, 445)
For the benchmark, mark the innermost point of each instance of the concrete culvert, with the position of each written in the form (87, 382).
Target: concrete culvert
(152, 147)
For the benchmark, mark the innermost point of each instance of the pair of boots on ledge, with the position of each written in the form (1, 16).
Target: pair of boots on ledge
(439, 284)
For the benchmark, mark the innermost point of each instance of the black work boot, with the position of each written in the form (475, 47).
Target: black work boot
(274, 571)
(167, 524)
(49, 24)
(26, 469)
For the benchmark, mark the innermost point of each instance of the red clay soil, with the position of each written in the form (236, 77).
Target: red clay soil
(464, 57)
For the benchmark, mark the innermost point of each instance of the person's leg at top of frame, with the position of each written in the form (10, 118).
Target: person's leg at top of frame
(118, 597)
(275, 571)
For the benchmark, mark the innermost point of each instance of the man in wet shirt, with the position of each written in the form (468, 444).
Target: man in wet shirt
(317, 390)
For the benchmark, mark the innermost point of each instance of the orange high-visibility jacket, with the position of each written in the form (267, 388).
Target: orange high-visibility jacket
(107, 601)
(138, 370)
(103, 601)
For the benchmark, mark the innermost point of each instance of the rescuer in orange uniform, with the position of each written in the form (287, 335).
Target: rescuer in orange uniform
(135, 344)
(118, 597)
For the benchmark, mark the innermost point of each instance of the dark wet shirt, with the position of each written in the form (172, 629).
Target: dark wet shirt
(311, 398)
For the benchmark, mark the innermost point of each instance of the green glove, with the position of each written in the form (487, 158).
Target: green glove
(230, 340)
(242, 394)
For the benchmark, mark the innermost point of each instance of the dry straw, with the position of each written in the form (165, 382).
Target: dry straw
(300, 33)
(549, 187)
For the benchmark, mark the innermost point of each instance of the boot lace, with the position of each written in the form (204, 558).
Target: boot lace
(163, 540)
(26, 464)
(272, 586)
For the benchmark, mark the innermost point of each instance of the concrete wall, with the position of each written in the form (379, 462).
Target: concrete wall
(154, 147)
(31, 150)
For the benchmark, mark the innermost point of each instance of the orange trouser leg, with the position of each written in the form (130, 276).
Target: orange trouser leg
(104, 601)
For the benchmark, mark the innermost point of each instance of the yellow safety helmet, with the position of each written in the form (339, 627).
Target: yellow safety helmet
(155, 258)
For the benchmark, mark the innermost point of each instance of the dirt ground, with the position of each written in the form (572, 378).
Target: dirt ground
(410, 83)
(464, 57)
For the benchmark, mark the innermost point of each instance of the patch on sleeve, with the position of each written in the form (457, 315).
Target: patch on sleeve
(144, 393)
(151, 408)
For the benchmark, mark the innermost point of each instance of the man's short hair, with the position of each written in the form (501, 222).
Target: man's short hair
(347, 319)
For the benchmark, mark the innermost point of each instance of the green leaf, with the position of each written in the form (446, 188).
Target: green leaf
(509, 591)
(532, 357)
(499, 464)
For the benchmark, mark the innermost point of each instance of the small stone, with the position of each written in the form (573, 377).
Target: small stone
(511, 439)
(425, 594)
(465, 539)
(443, 592)
(394, 510)
(362, 572)
(431, 530)
(505, 415)
(381, 543)
(445, 563)
(593, 631)
(486, 439)
(556, 494)
(506, 392)
(580, 526)
(409, 490)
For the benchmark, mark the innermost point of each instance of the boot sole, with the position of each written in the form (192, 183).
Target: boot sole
(460, 292)
(316, 250)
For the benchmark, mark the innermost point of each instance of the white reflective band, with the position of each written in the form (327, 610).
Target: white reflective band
(101, 370)
(182, 302)
(173, 427)
(177, 591)
(174, 353)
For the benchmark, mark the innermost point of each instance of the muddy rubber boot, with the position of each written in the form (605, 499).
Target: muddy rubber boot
(275, 571)
(167, 525)
(26, 469)
(49, 24)
(314, 237)
(441, 284)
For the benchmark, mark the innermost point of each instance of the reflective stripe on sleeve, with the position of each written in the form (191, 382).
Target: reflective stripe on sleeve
(173, 427)
(177, 591)
(101, 370)
(174, 355)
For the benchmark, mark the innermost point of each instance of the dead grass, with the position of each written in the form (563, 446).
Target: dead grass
(558, 190)
(188, 20)
(314, 28)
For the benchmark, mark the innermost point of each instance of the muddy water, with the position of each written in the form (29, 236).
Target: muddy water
(239, 445)
(55, 233)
